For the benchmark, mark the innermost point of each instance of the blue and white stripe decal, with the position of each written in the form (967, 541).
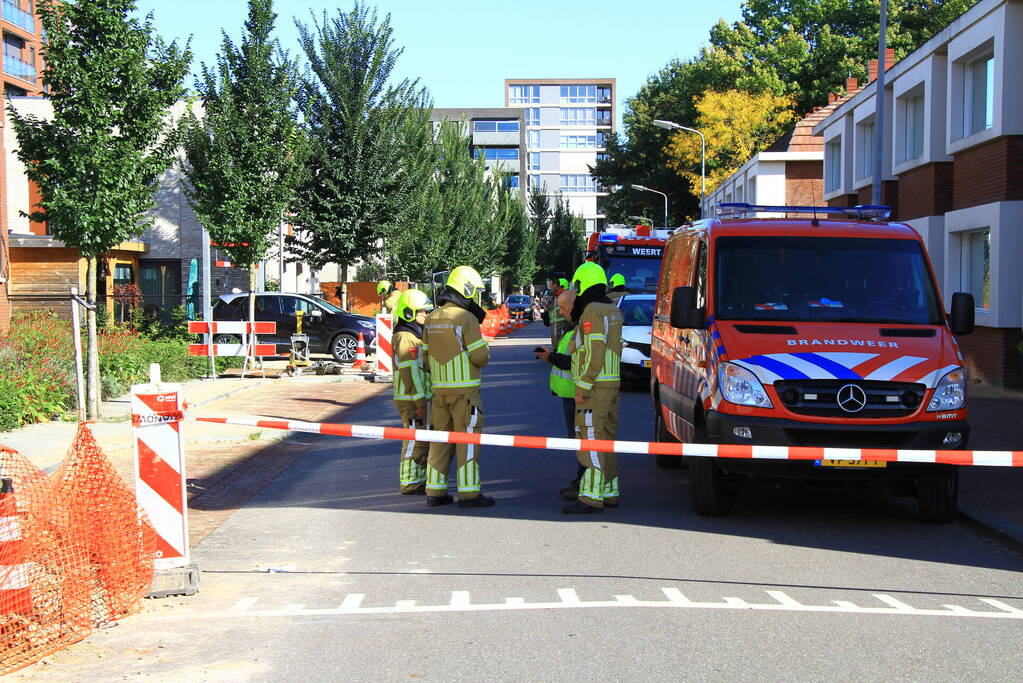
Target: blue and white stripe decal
(835, 365)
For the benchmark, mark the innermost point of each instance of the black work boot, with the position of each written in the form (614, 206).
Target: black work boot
(571, 492)
(580, 508)
(434, 501)
(479, 501)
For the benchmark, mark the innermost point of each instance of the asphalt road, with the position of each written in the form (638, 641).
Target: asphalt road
(369, 585)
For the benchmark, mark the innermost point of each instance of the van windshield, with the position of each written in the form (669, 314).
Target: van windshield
(824, 279)
(640, 272)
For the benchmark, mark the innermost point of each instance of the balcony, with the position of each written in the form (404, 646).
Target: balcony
(19, 17)
(19, 69)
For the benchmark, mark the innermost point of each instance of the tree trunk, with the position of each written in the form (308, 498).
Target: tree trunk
(253, 274)
(92, 350)
(343, 294)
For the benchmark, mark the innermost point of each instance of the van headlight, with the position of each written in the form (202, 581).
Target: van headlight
(740, 386)
(950, 394)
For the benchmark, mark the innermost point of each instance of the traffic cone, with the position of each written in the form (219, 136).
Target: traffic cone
(360, 353)
(15, 590)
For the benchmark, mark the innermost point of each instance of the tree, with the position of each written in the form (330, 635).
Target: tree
(245, 153)
(560, 251)
(519, 263)
(359, 185)
(112, 83)
(737, 125)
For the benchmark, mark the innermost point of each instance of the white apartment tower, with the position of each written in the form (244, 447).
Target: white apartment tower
(568, 122)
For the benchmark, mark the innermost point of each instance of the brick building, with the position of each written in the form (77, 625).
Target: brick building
(953, 169)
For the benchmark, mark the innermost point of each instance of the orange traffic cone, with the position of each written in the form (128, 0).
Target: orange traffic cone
(15, 590)
(360, 353)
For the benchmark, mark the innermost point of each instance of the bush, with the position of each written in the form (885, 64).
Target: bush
(37, 366)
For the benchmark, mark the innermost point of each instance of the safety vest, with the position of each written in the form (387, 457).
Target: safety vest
(597, 346)
(411, 382)
(561, 380)
(455, 349)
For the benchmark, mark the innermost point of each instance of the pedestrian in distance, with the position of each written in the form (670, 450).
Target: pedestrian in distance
(412, 388)
(618, 289)
(596, 351)
(456, 352)
(554, 318)
(561, 383)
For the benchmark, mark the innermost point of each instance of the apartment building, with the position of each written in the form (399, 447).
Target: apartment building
(568, 123)
(953, 169)
(22, 69)
(498, 135)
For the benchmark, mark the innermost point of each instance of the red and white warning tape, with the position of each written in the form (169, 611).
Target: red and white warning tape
(989, 458)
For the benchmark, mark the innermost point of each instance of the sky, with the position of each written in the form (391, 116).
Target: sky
(462, 51)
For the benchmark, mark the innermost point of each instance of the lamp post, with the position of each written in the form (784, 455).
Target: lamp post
(671, 125)
(647, 189)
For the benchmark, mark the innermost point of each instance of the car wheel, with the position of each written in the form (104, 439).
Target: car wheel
(937, 498)
(343, 348)
(662, 435)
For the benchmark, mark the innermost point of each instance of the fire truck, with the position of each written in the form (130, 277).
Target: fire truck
(633, 251)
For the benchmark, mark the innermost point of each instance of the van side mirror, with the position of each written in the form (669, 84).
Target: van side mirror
(961, 320)
(684, 314)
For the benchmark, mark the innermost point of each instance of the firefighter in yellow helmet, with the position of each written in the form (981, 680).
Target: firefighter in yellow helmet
(618, 289)
(388, 296)
(596, 351)
(456, 352)
(412, 390)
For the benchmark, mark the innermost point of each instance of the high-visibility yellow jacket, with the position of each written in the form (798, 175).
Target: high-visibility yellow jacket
(596, 347)
(455, 349)
(411, 381)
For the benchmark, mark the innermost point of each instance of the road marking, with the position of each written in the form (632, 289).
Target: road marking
(569, 599)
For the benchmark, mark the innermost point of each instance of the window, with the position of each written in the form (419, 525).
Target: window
(290, 304)
(578, 141)
(603, 117)
(976, 266)
(495, 126)
(911, 120)
(603, 156)
(864, 149)
(534, 161)
(583, 116)
(512, 181)
(602, 138)
(701, 277)
(523, 94)
(979, 90)
(578, 183)
(533, 182)
(578, 94)
(264, 304)
(533, 139)
(123, 274)
(603, 95)
(533, 116)
(833, 165)
(496, 153)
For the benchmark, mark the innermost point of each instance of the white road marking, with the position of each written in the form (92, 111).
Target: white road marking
(569, 599)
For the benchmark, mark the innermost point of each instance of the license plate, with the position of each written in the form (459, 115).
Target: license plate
(851, 463)
(646, 364)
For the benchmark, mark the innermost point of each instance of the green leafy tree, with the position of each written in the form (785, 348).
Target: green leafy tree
(358, 186)
(519, 263)
(245, 152)
(561, 250)
(112, 83)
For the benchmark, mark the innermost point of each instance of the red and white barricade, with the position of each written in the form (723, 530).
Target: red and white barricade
(383, 368)
(15, 587)
(247, 347)
(156, 415)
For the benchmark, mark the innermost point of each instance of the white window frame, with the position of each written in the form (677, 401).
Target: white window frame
(578, 116)
(865, 148)
(968, 264)
(533, 139)
(833, 163)
(578, 182)
(911, 113)
(524, 94)
(532, 116)
(971, 92)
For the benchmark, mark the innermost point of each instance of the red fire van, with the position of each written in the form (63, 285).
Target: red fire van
(826, 330)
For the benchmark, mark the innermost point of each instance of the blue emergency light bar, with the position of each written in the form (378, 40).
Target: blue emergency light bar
(862, 211)
(608, 238)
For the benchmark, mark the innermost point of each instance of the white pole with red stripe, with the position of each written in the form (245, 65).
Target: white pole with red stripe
(15, 587)
(383, 372)
(156, 415)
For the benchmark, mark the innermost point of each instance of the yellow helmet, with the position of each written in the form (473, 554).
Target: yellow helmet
(410, 302)
(587, 275)
(466, 281)
(617, 280)
(383, 287)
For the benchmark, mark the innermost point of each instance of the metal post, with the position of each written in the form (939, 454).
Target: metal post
(76, 334)
(207, 301)
(879, 107)
(280, 258)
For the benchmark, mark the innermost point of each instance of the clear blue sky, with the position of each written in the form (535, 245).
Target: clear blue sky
(463, 50)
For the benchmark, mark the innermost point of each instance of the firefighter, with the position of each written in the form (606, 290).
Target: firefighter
(596, 351)
(561, 379)
(388, 296)
(617, 290)
(456, 352)
(412, 390)
(554, 318)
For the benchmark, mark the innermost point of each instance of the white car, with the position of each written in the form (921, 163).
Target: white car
(638, 319)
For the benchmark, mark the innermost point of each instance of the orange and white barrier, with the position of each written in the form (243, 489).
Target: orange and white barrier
(986, 458)
(232, 350)
(231, 327)
(15, 587)
(360, 353)
(384, 349)
(156, 415)
(246, 331)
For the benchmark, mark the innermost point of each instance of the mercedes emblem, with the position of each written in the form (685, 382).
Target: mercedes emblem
(851, 398)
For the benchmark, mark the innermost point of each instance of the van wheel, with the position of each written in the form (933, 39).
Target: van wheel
(711, 498)
(936, 498)
(662, 435)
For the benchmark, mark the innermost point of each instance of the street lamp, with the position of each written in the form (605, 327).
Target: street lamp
(647, 189)
(671, 125)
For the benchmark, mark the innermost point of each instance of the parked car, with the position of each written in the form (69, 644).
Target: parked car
(519, 305)
(637, 323)
(330, 329)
